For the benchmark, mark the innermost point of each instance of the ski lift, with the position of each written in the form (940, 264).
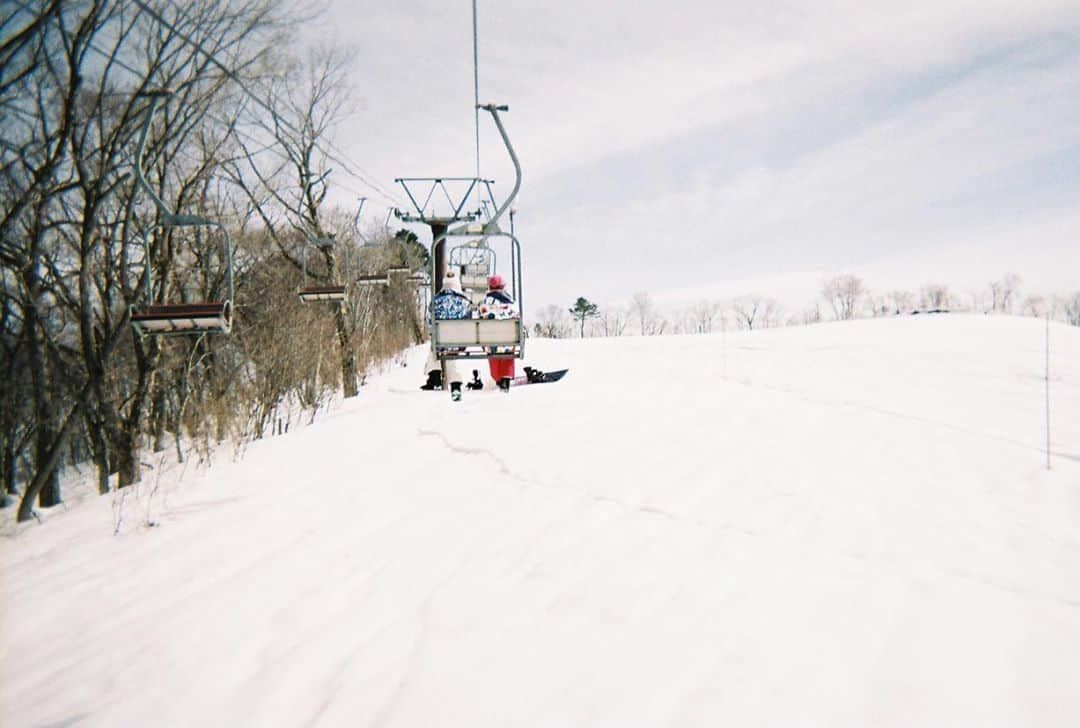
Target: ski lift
(371, 280)
(327, 292)
(394, 271)
(164, 319)
(367, 280)
(474, 261)
(485, 338)
(397, 273)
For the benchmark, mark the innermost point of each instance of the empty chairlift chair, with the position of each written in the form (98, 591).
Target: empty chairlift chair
(371, 279)
(160, 318)
(476, 261)
(321, 292)
(389, 273)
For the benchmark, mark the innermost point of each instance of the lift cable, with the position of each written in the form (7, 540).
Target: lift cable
(476, 86)
(329, 146)
(112, 58)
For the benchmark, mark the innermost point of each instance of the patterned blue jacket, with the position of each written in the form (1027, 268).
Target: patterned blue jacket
(451, 305)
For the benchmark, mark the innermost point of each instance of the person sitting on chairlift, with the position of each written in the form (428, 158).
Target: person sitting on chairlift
(449, 304)
(498, 304)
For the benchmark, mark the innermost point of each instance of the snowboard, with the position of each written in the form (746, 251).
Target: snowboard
(539, 377)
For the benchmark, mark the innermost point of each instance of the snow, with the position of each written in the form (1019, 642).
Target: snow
(840, 525)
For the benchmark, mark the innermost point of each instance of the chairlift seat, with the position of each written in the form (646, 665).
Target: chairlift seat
(322, 293)
(372, 280)
(454, 334)
(184, 318)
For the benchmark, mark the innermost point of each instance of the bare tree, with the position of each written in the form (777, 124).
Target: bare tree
(935, 296)
(552, 322)
(309, 99)
(1071, 307)
(650, 322)
(703, 316)
(70, 221)
(900, 302)
(641, 306)
(613, 321)
(1003, 293)
(1035, 305)
(843, 293)
(755, 311)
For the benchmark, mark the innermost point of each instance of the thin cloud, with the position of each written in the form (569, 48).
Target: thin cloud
(665, 146)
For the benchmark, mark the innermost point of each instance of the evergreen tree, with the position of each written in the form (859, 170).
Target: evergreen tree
(584, 309)
(416, 253)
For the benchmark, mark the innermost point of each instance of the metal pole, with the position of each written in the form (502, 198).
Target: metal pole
(438, 258)
(438, 254)
(1047, 390)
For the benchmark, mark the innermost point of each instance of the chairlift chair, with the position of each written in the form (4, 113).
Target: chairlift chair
(476, 261)
(183, 318)
(485, 338)
(389, 272)
(373, 279)
(322, 293)
(164, 319)
(325, 292)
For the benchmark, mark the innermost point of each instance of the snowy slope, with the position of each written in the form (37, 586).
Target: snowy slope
(838, 525)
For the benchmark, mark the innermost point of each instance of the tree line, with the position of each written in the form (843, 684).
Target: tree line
(842, 298)
(76, 384)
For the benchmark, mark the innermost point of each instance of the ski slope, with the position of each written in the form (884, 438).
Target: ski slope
(838, 525)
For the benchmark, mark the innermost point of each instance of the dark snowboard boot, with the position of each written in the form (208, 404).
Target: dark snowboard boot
(504, 384)
(434, 380)
(533, 375)
(475, 383)
(455, 391)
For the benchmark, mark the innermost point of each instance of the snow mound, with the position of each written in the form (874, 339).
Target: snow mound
(843, 525)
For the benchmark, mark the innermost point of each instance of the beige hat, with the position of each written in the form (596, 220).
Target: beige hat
(451, 282)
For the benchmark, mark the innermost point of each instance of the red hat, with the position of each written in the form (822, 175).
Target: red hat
(496, 283)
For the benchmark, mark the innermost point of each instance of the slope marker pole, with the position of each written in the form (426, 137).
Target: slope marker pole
(1047, 379)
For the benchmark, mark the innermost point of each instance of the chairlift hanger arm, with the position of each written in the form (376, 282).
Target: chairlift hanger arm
(494, 111)
(319, 241)
(492, 226)
(140, 151)
(356, 220)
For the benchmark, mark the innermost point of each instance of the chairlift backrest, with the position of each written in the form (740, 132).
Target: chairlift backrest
(475, 260)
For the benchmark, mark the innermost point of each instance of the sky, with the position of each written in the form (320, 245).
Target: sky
(708, 149)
